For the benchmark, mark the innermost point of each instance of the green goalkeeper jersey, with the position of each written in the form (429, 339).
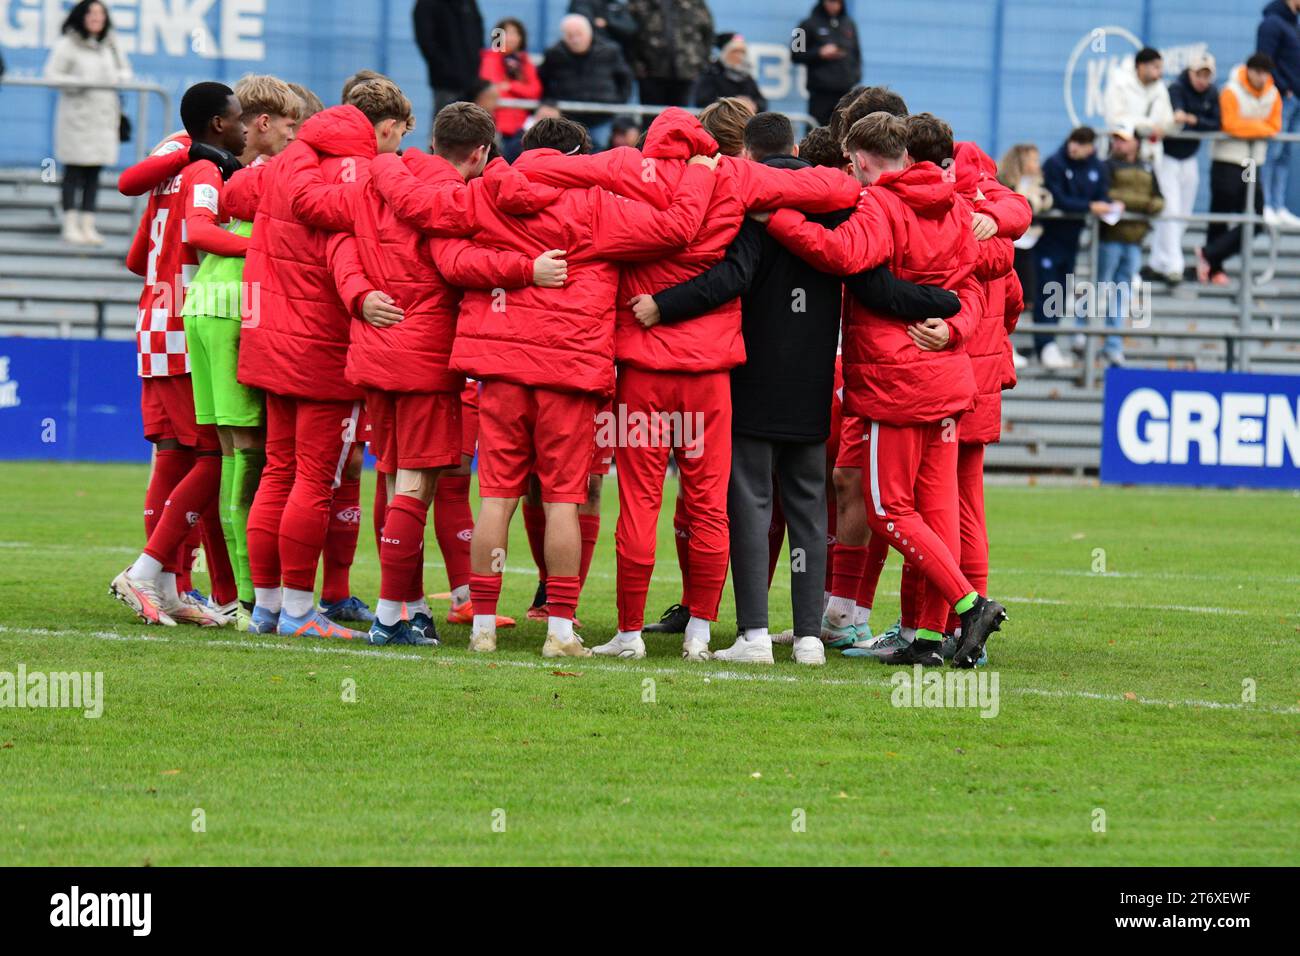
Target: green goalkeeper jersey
(216, 291)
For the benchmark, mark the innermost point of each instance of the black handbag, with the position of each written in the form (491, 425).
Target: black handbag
(123, 128)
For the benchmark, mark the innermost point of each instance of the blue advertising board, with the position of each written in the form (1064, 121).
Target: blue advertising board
(1221, 429)
(70, 400)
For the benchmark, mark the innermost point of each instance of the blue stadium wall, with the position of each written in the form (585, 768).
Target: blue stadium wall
(996, 69)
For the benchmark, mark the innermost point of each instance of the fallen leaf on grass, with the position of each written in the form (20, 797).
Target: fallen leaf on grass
(1129, 695)
(565, 674)
(170, 773)
(7, 745)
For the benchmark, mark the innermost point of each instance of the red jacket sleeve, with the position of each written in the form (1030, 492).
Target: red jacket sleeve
(816, 189)
(243, 192)
(962, 325)
(324, 205)
(469, 265)
(165, 162)
(626, 229)
(137, 258)
(1015, 302)
(623, 170)
(1006, 207)
(996, 258)
(863, 241)
(202, 205)
(442, 209)
(350, 279)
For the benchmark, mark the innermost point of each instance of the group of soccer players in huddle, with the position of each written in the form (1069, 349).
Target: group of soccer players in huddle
(818, 335)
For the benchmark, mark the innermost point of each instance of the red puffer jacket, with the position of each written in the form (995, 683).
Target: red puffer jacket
(989, 342)
(414, 355)
(560, 339)
(526, 86)
(295, 342)
(712, 341)
(913, 220)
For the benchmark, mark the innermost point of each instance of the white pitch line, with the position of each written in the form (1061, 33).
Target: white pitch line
(588, 665)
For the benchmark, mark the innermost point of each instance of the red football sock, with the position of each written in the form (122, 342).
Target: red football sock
(196, 492)
(220, 574)
(682, 538)
(379, 511)
(485, 592)
(169, 467)
(402, 556)
(341, 542)
(185, 558)
(908, 593)
(590, 525)
(877, 555)
(453, 523)
(535, 526)
(561, 596)
(850, 560)
(633, 586)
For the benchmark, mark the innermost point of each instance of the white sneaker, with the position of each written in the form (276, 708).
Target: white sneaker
(1053, 358)
(189, 611)
(557, 646)
(630, 649)
(755, 651)
(1079, 342)
(1018, 360)
(810, 650)
(1271, 217)
(695, 650)
(483, 642)
(1287, 219)
(785, 637)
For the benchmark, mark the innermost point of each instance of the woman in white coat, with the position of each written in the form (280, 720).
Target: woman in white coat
(88, 121)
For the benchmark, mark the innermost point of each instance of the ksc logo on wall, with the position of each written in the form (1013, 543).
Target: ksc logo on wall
(1201, 428)
(1098, 54)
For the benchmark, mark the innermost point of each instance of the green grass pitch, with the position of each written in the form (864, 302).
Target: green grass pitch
(1148, 713)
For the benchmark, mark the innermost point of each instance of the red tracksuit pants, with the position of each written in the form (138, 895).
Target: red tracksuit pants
(911, 491)
(699, 404)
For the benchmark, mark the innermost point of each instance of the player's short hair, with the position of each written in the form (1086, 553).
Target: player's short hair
(311, 103)
(929, 139)
(880, 134)
(201, 102)
(259, 93)
(769, 134)
(1083, 135)
(361, 76)
(1148, 54)
(725, 120)
(820, 148)
(872, 99)
(1262, 62)
(461, 128)
(566, 135)
(381, 100)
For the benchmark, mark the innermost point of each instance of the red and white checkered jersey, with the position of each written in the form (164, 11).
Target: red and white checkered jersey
(160, 328)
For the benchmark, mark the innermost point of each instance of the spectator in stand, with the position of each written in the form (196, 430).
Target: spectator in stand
(449, 34)
(827, 44)
(1077, 180)
(585, 67)
(730, 74)
(1250, 109)
(1137, 98)
(610, 19)
(506, 64)
(670, 48)
(1279, 38)
(1196, 108)
(1022, 171)
(625, 131)
(87, 122)
(1119, 256)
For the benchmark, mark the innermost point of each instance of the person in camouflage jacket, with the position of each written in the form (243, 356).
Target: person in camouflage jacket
(671, 47)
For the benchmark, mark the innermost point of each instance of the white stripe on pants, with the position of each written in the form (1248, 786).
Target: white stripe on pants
(1179, 180)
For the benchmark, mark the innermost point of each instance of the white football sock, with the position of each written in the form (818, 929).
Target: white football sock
(418, 607)
(627, 637)
(861, 615)
(486, 623)
(298, 603)
(166, 584)
(561, 627)
(145, 568)
(697, 629)
(388, 612)
(268, 599)
(907, 633)
(839, 610)
(756, 634)
(459, 595)
(826, 600)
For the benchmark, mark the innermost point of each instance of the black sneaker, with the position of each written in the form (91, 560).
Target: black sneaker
(422, 627)
(673, 622)
(983, 618)
(920, 651)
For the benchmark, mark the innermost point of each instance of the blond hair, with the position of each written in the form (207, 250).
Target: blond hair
(725, 121)
(361, 76)
(380, 100)
(311, 103)
(260, 93)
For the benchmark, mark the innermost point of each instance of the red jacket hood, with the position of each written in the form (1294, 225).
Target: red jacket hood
(972, 165)
(514, 192)
(922, 186)
(676, 134)
(427, 167)
(339, 131)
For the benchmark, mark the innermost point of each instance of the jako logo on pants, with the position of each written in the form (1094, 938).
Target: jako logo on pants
(72, 909)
